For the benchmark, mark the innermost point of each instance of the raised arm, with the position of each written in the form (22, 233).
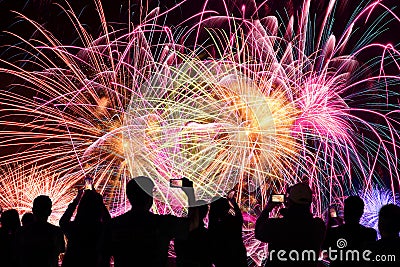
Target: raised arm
(264, 228)
(193, 214)
(66, 217)
(236, 208)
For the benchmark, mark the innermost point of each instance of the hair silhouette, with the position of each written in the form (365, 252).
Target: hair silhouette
(353, 209)
(27, 219)
(389, 221)
(42, 207)
(10, 221)
(90, 208)
(140, 192)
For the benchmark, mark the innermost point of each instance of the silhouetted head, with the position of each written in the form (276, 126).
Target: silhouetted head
(90, 207)
(139, 191)
(220, 205)
(27, 218)
(353, 209)
(389, 221)
(299, 195)
(10, 220)
(42, 207)
(219, 209)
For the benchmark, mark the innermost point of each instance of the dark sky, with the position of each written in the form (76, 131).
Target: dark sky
(116, 12)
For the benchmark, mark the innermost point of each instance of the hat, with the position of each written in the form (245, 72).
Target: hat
(300, 194)
(140, 184)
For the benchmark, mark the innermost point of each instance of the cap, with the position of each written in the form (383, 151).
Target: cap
(145, 184)
(300, 194)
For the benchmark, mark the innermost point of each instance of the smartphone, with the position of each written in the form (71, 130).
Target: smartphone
(278, 198)
(88, 183)
(177, 183)
(333, 213)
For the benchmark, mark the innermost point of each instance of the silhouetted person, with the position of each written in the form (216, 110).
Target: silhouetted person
(389, 244)
(195, 251)
(297, 230)
(225, 228)
(141, 238)
(9, 225)
(355, 234)
(85, 231)
(10, 221)
(40, 243)
(27, 219)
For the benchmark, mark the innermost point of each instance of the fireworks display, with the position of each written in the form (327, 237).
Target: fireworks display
(254, 103)
(19, 187)
(374, 199)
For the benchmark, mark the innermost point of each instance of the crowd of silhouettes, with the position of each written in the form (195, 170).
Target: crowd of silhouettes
(139, 237)
(355, 234)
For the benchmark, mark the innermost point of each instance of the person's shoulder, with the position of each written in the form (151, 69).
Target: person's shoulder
(388, 243)
(277, 221)
(53, 227)
(121, 218)
(129, 218)
(318, 226)
(33, 227)
(333, 232)
(165, 217)
(368, 231)
(341, 228)
(318, 220)
(169, 220)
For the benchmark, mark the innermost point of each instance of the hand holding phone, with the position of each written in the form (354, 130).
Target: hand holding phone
(186, 183)
(175, 183)
(186, 186)
(274, 201)
(180, 183)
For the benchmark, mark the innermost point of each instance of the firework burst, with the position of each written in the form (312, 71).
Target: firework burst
(374, 199)
(20, 186)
